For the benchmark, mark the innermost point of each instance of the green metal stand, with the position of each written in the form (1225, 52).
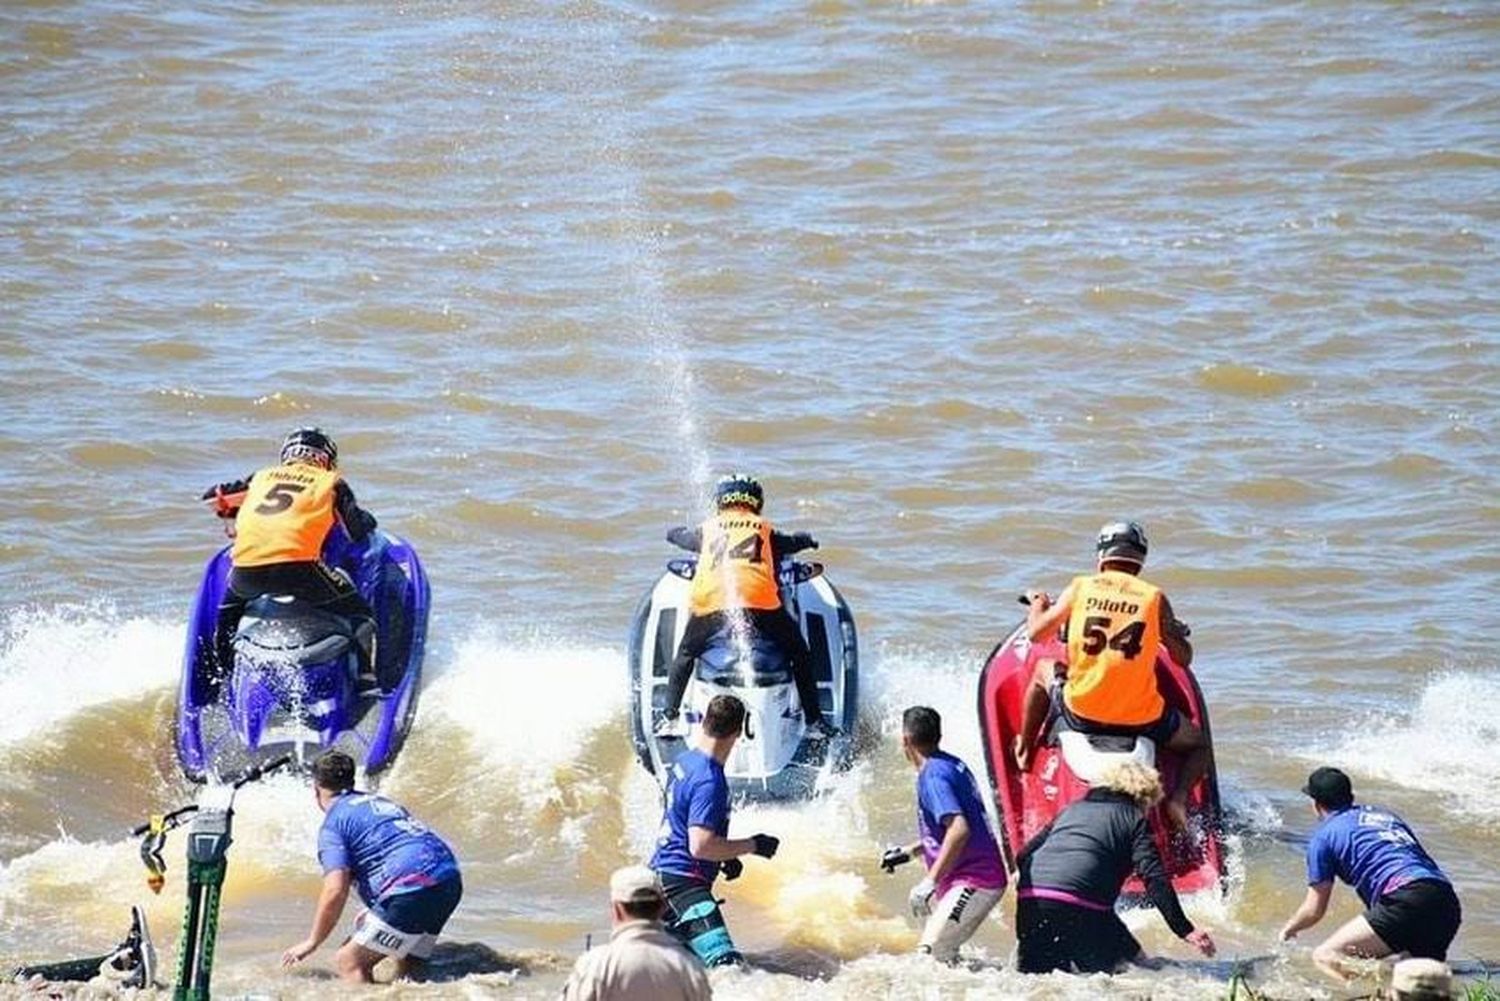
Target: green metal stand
(207, 862)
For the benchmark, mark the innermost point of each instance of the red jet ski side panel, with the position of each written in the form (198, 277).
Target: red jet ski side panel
(1029, 801)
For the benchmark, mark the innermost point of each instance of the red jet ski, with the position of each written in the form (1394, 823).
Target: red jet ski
(1028, 801)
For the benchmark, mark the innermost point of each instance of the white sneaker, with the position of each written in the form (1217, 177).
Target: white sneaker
(671, 726)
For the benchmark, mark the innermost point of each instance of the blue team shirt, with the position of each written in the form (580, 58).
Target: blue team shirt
(385, 850)
(697, 796)
(1370, 849)
(946, 788)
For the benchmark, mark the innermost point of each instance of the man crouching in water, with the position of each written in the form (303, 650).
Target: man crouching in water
(406, 875)
(693, 846)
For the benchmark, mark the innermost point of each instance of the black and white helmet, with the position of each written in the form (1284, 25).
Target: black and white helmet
(310, 445)
(1124, 541)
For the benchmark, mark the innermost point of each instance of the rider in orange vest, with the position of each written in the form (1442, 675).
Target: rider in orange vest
(281, 516)
(738, 553)
(1116, 623)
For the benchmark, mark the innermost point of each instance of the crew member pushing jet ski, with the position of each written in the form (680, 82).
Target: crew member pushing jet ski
(1116, 623)
(738, 553)
(281, 516)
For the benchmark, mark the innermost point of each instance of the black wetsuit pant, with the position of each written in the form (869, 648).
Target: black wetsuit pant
(774, 623)
(694, 919)
(308, 581)
(1057, 935)
(65, 969)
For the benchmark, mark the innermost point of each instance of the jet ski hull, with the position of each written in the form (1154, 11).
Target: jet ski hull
(1028, 801)
(772, 760)
(251, 718)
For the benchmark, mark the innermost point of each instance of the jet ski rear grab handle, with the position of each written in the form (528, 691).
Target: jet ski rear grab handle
(789, 573)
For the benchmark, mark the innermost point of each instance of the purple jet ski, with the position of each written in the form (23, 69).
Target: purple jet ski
(302, 680)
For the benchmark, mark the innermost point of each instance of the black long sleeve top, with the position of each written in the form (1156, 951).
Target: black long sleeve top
(782, 544)
(1091, 848)
(357, 522)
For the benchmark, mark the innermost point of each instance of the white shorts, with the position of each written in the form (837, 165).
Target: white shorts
(956, 917)
(377, 936)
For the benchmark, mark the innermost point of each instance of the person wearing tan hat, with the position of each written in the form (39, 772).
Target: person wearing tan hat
(1421, 980)
(641, 962)
(1410, 904)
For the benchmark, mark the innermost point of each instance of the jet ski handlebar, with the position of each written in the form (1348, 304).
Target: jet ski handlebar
(791, 572)
(167, 821)
(216, 802)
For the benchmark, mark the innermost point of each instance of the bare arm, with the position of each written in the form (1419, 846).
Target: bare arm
(954, 838)
(710, 847)
(331, 901)
(1044, 617)
(1313, 907)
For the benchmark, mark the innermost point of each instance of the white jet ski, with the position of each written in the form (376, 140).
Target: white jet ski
(773, 759)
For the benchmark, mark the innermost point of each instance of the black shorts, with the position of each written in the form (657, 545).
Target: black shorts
(1056, 935)
(694, 919)
(1420, 918)
(1159, 732)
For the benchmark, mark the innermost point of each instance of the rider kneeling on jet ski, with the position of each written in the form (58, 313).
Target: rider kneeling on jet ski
(1115, 625)
(738, 553)
(282, 514)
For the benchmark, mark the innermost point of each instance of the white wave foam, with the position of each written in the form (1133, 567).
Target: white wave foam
(1442, 745)
(893, 678)
(56, 661)
(526, 706)
(70, 886)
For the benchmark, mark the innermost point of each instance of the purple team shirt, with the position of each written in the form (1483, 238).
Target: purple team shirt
(946, 788)
(1370, 849)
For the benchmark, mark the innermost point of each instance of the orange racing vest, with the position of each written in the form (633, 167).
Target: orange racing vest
(1114, 633)
(285, 516)
(734, 565)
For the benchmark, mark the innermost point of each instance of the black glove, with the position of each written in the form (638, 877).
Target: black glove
(893, 857)
(732, 869)
(766, 845)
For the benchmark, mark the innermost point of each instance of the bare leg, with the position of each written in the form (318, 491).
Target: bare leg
(1034, 711)
(1188, 741)
(1355, 938)
(356, 964)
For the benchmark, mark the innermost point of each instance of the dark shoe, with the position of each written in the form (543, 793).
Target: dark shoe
(820, 730)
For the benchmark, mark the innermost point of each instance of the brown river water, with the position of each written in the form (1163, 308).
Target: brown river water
(959, 281)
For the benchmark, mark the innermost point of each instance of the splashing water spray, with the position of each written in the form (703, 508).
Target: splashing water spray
(210, 822)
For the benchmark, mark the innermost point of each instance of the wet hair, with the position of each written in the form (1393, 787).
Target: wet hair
(922, 726)
(1140, 782)
(334, 771)
(725, 717)
(646, 909)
